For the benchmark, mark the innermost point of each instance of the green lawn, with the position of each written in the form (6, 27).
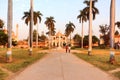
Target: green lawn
(21, 59)
(2, 75)
(117, 74)
(100, 58)
(100, 61)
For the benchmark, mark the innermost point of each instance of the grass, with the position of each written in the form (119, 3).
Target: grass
(117, 74)
(21, 59)
(3, 75)
(24, 62)
(100, 58)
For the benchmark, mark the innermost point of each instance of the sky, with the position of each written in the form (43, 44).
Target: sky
(63, 11)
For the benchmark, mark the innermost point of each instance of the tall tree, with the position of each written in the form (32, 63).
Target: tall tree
(82, 18)
(112, 23)
(52, 32)
(112, 29)
(116, 32)
(3, 38)
(94, 10)
(94, 40)
(34, 35)
(77, 39)
(50, 23)
(38, 15)
(105, 30)
(90, 12)
(118, 24)
(9, 27)
(1, 23)
(42, 38)
(31, 27)
(69, 29)
(36, 18)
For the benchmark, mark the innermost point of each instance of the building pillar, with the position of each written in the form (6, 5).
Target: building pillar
(59, 41)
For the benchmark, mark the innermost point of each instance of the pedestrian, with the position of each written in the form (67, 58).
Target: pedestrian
(69, 48)
(118, 45)
(66, 48)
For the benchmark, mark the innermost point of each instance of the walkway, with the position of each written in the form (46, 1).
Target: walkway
(62, 66)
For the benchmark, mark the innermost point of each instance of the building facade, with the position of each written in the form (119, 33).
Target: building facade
(58, 40)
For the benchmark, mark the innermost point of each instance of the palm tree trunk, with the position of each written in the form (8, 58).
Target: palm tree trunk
(31, 26)
(112, 28)
(70, 38)
(9, 27)
(90, 29)
(50, 39)
(82, 37)
(112, 23)
(37, 36)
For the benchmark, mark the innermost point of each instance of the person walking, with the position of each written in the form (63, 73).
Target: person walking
(69, 48)
(66, 48)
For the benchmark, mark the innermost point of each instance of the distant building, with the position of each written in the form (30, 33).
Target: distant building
(116, 39)
(58, 40)
(14, 36)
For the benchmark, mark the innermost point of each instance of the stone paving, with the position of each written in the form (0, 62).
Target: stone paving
(58, 65)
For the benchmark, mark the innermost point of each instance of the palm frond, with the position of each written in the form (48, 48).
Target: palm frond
(118, 24)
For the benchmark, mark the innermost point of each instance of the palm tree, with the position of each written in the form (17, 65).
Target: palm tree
(69, 29)
(82, 18)
(52, 32)
(90, 12)
(94, 10)
(30, 17)
(31, 27)
(112, 25)
(9, 27)
(118, 24)
(36, 16)
(50, 23)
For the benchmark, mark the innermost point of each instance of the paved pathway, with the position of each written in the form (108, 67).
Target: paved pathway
(62, 66)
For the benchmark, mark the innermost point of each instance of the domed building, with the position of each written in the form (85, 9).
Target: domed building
(59, 40)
